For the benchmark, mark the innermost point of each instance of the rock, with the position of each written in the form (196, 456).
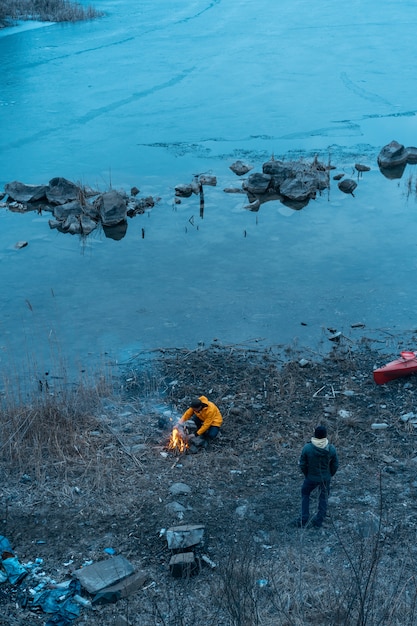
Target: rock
(20, 244)
(208, 180)
(392, 155)
(361, 168)
(71, 225)
(299, 189)
(60, 190)
(179, 488)
(19, 192)
(240, 168)
(134, 191)
(62, 211)
(183, 191)
(87, 224)
(347, 186)
(338, 177)
(175, 507)
(111, 207)
(241, 511)
(280, 171)
(257, 184)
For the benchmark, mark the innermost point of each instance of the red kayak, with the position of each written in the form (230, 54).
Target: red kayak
(404, 366)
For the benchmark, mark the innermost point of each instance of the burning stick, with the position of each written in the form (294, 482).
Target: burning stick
(178, 441)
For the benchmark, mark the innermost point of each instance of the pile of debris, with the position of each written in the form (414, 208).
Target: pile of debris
(184, 542)
(105, 581)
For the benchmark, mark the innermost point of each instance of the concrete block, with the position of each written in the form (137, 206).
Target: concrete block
(180, 537)
(99, 575)
(122, 589)
(183, 565)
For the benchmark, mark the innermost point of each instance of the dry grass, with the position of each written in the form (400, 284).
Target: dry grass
(46, 11)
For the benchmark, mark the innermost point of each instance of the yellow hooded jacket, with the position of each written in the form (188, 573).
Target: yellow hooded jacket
(209, 415)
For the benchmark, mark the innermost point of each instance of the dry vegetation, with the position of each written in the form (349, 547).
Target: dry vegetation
(46, 11)
(86, 470)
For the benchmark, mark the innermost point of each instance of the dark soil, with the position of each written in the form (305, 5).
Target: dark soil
(114, 492)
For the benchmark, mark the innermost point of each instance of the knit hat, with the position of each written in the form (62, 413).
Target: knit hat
(196, 404)
(320, 432)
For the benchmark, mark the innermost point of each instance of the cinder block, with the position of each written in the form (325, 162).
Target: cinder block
(104, 573)
(180, 537)
(183, 565)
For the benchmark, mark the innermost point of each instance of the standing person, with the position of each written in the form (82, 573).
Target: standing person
(319, 463)
(207, 418)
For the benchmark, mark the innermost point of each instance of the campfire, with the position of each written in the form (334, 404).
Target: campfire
(178, 441)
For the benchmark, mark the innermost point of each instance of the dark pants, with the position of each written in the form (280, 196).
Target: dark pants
(211, 433)
(324, 491)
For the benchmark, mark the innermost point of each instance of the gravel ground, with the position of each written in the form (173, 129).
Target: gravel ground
(114, 492)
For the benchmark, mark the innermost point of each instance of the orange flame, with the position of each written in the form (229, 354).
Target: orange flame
(177, 442)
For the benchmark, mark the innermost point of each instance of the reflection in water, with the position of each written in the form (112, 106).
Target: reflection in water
(393, 172)
(116, 232)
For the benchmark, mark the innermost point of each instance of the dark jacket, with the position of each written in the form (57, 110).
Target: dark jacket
(318, 464)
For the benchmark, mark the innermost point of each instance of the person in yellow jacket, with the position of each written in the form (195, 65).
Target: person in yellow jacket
(207, 418)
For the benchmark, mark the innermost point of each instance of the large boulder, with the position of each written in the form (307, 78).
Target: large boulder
(393, 159)
(239, 168)
(279, 171)
(60, 191)
(112, 208)
(20, 192)
(299, 189)
(62, 211)
(257, 184)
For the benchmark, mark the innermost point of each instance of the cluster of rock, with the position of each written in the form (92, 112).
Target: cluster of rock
(294, 183)
(80, 210)
(76, 209)
(196, 187)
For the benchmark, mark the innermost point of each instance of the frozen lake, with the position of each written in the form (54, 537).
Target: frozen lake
(150, 96)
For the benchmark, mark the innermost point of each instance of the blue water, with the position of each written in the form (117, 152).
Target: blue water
(150, 95)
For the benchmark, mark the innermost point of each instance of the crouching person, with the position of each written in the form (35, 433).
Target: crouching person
(207, 419)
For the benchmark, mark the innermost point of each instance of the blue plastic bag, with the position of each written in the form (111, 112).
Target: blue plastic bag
(14, 570)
